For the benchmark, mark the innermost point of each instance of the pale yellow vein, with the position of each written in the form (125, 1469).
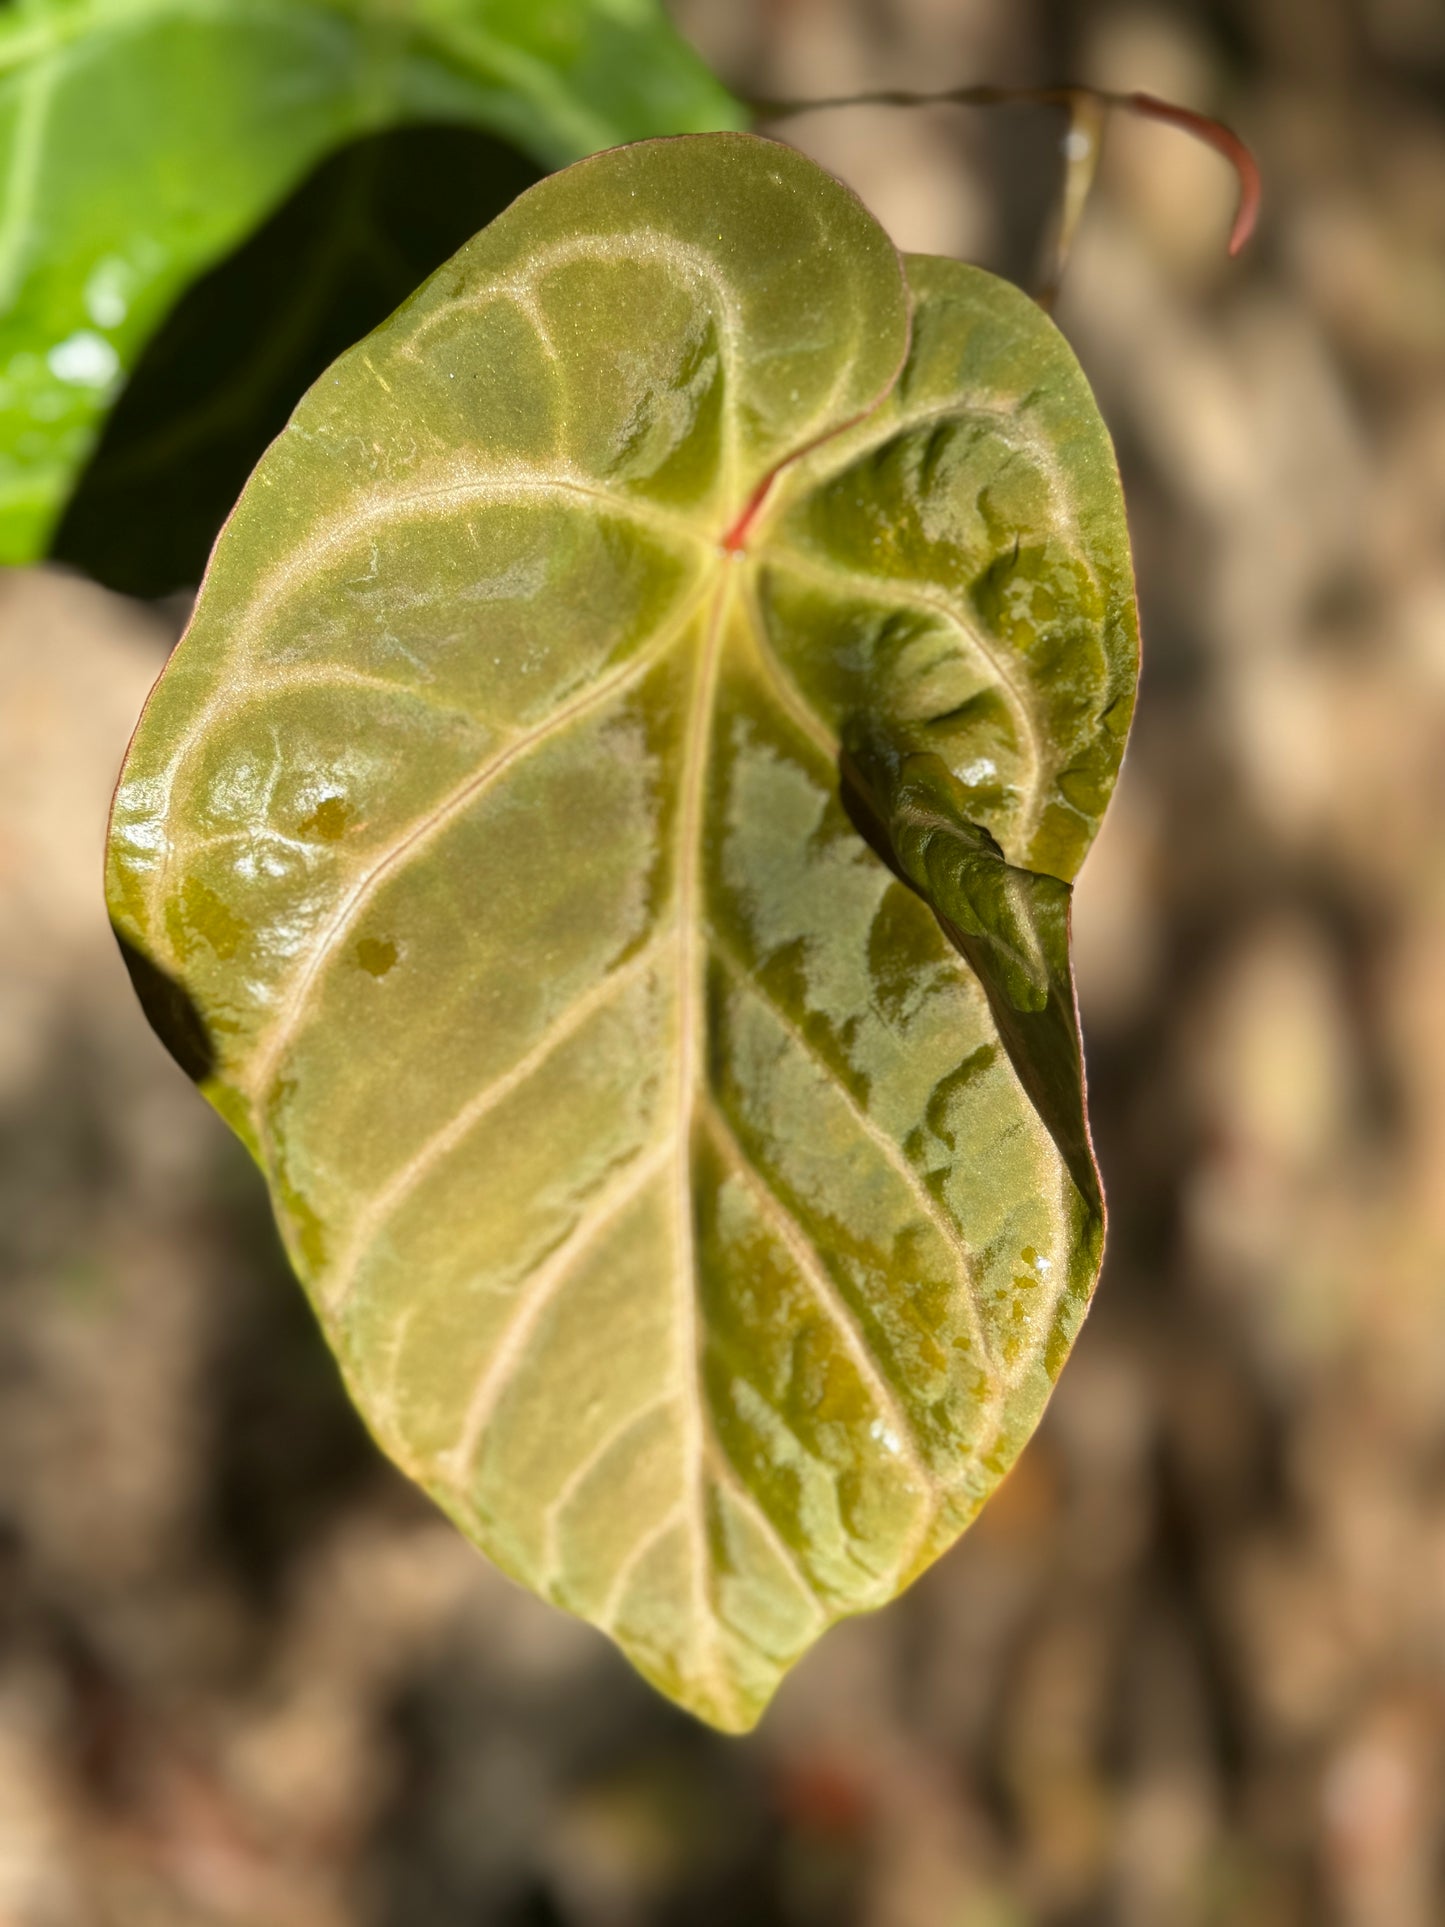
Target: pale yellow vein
(226, 698)
(886, 589)
(783, 686)
(534, 1297)
(892, 1152)
(731, 1481)
(585, 1469)
(811, 1267)
(691, 967)
(290, 1006)
(671, 1521)
(382, 1205)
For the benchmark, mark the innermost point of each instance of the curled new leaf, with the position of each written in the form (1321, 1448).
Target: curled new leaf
(685, 1156)
(1012, 925)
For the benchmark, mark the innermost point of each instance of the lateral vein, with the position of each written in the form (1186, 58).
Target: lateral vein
(732, 1482)
(427, 825)
(671, 1521)
(586, 1467)
(809, 1261)
(536, 1295)
(888, 588)
(892, 1152)
(384, 1203)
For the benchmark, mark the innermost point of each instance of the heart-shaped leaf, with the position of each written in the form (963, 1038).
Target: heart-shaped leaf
(603, 842)
(144, 138)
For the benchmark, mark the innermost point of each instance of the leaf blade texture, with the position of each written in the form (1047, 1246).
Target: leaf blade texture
(610, 820)
(143, 140)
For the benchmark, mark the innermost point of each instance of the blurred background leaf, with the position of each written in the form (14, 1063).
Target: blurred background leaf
(145, 138)
(228, 364)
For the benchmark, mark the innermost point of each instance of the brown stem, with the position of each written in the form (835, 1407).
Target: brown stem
(1088, 108)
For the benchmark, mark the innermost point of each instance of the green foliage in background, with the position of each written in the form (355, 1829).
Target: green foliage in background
(140, 140)
(604, 843)
(218, 379)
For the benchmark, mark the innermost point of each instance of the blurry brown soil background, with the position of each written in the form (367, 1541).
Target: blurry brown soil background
(1189, 1667)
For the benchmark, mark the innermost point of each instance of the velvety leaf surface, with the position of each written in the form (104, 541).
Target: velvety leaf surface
(603, 842)
(141, 139)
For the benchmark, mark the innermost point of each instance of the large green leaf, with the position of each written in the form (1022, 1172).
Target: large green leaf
(141, 139)
(589, 844)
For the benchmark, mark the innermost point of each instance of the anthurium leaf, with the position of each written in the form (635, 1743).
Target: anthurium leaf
(144, 138)
(586, 844)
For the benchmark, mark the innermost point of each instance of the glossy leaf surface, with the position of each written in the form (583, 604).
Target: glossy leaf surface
(141, 139)
(604, 841)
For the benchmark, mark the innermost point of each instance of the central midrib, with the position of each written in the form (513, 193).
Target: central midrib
(691, 994)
